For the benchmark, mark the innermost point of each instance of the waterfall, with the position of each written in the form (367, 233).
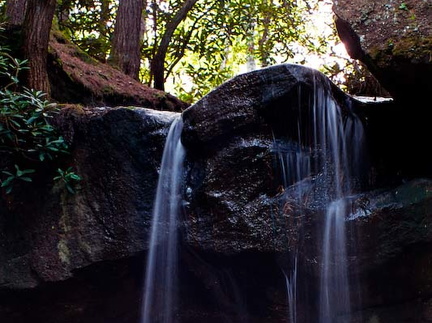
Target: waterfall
(295, 165)
(159, 303)
(335, 287)
(342, 142)
(324, 148)
(318, 151)
(291, 286)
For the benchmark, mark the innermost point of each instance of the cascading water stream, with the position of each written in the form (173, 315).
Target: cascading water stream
(318, 161)
(335, 287)
(291, 286)
(159, 303)
(329, 152)
(295, 163)
(343, 141)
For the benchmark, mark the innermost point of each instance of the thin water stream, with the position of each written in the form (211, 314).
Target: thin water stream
(325, 149)
(330, 155)
(159, 299)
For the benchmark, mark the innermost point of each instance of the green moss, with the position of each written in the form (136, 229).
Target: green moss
(159, 95)
(410, 48)
(107, 90)
(76, 109)
(85, 57)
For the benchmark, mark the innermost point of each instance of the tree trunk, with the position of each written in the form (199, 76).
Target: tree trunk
(126, 52)
(158, 63)
(15, 11)
(262, 43)
(36, 28)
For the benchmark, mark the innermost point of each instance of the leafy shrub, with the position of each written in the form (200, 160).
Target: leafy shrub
(26, 133)
(68, 178)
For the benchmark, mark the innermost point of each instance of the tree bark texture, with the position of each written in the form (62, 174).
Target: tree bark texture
(15, 11)
(36, 28)
(158, 63)
(126, 44)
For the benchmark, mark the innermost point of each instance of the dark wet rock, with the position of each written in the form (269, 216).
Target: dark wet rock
(80, 258)
(246, 101)
(51, 233)
(235, 205)
(394, 40)
(233, 186)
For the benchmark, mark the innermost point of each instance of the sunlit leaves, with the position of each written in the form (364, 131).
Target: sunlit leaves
(219, 36)
(89, 24)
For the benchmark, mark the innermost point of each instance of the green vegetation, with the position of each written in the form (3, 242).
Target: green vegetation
(217, 39)
(68, 178)
(27, 137)
(19, 174)
(403, 6)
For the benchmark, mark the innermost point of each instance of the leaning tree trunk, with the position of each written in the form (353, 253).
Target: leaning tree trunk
(15, 11)
(158, 62)
(126, 42)
(36, 28)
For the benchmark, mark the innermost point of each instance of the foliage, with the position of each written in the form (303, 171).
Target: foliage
(26, 134)
(19, 174)
(220, 39)
(217, 40)
(89, 24)
(403, 6)
(68, 178)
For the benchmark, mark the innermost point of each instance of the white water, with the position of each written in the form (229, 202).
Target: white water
(333, 155)
(335, 287)
(159, 303)
(291, 286)
(340, 141)
(330, 151)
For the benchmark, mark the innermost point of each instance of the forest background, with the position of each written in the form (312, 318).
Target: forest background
(186, 47)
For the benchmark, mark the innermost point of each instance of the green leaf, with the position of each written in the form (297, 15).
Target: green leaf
(7, 181)
(18, 171)
(70, 189)
(28, 171)
(32, 119)
(8, 189)
(403, 6)
(75, 177)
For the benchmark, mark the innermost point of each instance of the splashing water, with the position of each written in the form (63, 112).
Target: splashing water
(159, 303)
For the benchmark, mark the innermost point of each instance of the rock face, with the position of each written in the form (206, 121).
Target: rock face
(225, 151)
(51, 234)
(237, 211)
(393, 39)
(80, 258)
(75, 77)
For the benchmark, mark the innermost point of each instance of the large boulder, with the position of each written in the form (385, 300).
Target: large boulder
(392, 227)
(236, 211)
(94, 238)
(230, 138)
(80, 257)
(393, 39)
